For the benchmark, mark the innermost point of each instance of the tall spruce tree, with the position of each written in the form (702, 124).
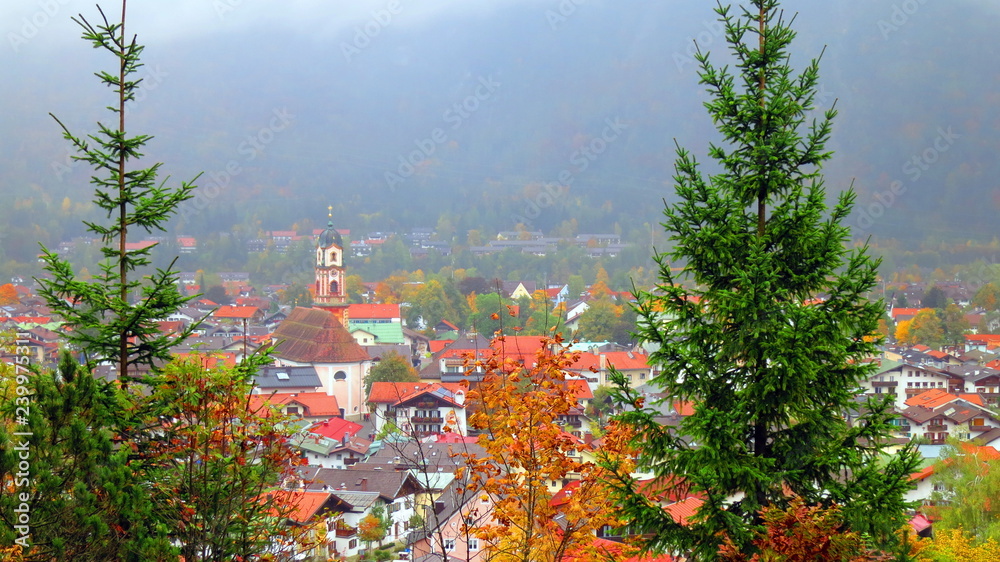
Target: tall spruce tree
(112, 318)
(767, 328)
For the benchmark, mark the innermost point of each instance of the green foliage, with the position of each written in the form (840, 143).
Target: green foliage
(987, 297)
(113, 317)
(967, 480)
(490, 315)
(214, 464)
(392, 368)
(934, 298)
(770, 369)
(217, 294)
(86, 498)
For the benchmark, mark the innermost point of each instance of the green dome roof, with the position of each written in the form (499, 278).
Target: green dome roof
(330, 237)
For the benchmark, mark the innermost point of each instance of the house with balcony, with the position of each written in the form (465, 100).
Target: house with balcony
(905, 380)
(596, 367)
(984, 381)
(395, 491)
(935, 416)
(418, 409)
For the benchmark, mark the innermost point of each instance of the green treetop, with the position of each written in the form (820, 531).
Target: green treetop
(112, 317)
(767, 327)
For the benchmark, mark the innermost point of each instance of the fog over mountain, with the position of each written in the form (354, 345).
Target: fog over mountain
(398, 111)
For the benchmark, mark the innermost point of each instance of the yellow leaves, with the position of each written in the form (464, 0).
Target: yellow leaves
(953, 544)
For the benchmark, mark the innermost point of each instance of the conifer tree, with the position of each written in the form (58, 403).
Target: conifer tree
(112, 318)
(64, 475)
(767, 328)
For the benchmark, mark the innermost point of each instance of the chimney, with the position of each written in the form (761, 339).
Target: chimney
(364, 484)
(347, 437)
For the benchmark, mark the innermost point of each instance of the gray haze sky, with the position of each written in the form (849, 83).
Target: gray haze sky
(45, 24)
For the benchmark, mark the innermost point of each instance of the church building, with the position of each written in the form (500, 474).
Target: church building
(317, 337)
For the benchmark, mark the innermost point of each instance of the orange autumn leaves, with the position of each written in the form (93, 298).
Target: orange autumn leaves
(548, 491)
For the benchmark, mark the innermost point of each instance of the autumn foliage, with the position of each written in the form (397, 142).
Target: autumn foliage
(801, 533)
(8, 295)
(528, 457)
(954, 544)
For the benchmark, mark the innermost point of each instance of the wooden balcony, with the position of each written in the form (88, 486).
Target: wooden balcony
(936, 427)
(426, 419)
(346, 532)
(884, 383)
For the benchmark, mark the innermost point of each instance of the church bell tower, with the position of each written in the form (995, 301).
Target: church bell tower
(330, 278)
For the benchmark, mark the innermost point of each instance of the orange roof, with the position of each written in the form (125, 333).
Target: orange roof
(314, 404)
(237, 312)
(989, 338)
(976, 399)
(984, 452)
(937, 354)
(684, 407)
(170, 326)
(897, 312)
(684, 510)
(306, 505)
(580, 388)
(186, 241)
(358, 312)
(437, 345)
(335, 428)
(393, 392)
(924, 473)
(133, 246)
(931, 399)
(623, 360)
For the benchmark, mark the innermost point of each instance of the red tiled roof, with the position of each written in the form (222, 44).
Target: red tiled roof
(684, 407)
(976, 399)
(314, 404)
(581, 388)
(897, 312)
(335, 428)
(437, 345)
(170, 326)
(186, 241)
(313, 335)
(931, 399)
(684, 510)
(358, 312)
(237, 312)
(395, 392)
(133, 246)
(987, 338)
(307, 504)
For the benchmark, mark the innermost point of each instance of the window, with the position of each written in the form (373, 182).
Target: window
(353, 543)
(292, 410)
(449, 545)
(473, 544)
